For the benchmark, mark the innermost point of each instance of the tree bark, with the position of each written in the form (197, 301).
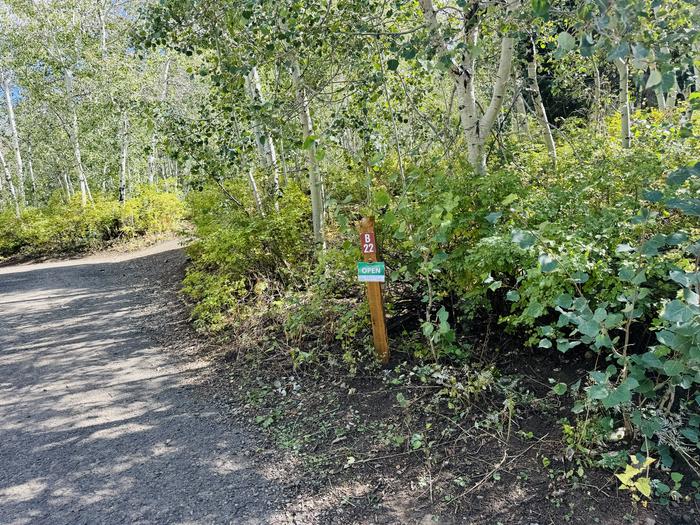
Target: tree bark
(154, 142)
(672, 97)
(265, 144)
(476, 128)
(74, 132)
(624, 97)
(256, 193)
(10, 185)
(124, 157)
(315, 181)
(540, 110)
(15, 136)
(659, 92)
(102, 17)
(30, 166)
(520, 122)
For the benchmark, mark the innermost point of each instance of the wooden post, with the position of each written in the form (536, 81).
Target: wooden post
(368, 245)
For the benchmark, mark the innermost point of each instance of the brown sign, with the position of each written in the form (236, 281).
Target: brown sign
(368, 244)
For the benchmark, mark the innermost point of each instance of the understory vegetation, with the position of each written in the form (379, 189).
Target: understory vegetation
(596, 262)
(66, 226)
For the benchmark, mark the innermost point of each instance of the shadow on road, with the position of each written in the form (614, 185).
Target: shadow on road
(97, 423)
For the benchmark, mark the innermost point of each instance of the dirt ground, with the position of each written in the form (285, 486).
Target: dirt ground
(102, 419)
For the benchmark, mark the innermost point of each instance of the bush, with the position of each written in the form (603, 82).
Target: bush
(240, 253)
(69, 227)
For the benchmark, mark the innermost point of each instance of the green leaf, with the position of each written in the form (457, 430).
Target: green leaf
(309, 141)
(392, 64)
(626, 274)
(597, 392)
(680, 277)
(580, 277)
(382, 198)
(540, 8)
(621, 51)
(690, 434)
(652, 195)
(565, 43)
(564, 301)
(523, 238)
(564, 345)
(589, 328)
(687, 206)
(401, 399)
(409, 53)
(560, 389)
(547, 263)
(674, 367)
(510, 199)
(494, 216)
(513, 295)
(600, 315)
(416, 441)
(679, 176)
(677, 312)
(545, 343)
(376, 159)
(654, 79)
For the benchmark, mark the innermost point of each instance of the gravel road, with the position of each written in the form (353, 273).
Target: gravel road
(100, 420)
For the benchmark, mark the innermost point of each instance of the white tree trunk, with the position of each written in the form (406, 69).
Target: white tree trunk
(659, 92)
(265, 144)
(10, 184)
(154, 141)
(476, 128)
(123, 166)
(102, 16)
(625, 128)
(74, 133)
(540, 110)
(15, 135)
(30, 166)
(69, 184)
(254, 189)
(520, 122)
(315, 181)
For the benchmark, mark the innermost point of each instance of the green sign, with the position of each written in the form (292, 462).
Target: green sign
(370, 272)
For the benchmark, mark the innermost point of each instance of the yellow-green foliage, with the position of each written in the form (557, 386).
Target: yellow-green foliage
(63, 227)
(238, 250)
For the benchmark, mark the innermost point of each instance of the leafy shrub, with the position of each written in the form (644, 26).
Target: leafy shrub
(66, 227)
(239, 252)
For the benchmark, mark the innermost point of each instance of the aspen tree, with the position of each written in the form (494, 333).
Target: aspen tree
(4, 79)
